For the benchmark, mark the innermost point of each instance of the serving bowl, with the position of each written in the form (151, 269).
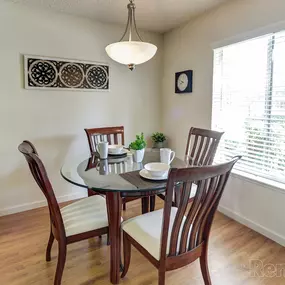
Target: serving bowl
(115, 148)
(157, 169)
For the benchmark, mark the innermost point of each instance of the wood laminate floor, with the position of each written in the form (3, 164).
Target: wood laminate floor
(23, 239)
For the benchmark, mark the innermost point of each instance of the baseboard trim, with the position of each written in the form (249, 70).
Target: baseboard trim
(252, 225)
(42, 203)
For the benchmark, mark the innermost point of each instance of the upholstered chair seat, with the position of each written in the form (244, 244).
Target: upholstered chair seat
(147, 229)
(85, 215)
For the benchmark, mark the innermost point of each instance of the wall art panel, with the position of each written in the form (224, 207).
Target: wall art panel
(54, 73)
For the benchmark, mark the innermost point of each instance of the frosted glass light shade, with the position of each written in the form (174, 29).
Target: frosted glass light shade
(131, 52)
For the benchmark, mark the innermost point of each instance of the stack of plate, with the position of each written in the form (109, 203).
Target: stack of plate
(117, 150)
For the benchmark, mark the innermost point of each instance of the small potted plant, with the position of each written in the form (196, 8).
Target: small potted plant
(137, 147)
(158, 140)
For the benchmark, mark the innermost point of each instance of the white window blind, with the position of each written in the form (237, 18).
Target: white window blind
(249, 104)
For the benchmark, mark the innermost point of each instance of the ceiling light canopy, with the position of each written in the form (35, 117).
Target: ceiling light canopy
(131, 52)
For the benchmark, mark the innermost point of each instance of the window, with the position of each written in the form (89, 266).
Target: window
(249, 104)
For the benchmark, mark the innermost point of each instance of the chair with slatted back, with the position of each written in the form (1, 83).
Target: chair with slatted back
(113, 135)
(201, 148)
(202, 145)
(172, 237)
(80, 220)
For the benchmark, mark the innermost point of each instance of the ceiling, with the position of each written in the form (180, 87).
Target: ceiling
(152, 15)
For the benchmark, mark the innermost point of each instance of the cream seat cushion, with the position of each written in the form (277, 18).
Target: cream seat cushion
(146, 230)
(85, 215)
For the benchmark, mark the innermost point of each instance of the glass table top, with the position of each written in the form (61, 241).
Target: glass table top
(96, 174)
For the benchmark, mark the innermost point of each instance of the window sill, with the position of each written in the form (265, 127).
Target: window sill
(273, 185)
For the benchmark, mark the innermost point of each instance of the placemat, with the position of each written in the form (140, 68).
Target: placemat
(141, 183)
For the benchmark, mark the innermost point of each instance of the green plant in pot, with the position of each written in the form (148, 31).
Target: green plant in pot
(137, 147)
(158, 140)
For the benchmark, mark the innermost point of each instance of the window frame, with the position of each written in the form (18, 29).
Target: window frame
(270, 31)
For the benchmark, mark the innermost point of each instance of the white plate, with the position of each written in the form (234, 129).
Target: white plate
(115, 148)
(124, 151)
(145, 174)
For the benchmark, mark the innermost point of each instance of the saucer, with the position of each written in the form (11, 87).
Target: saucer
(145, 174)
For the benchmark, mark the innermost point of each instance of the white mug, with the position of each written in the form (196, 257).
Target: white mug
(166, 155)
(102, 148)
(103, 167)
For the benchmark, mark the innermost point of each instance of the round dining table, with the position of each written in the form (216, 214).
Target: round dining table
(115, 177)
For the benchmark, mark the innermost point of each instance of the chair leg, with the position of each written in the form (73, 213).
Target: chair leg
(127, 255)
(124, 206)
(90, 192)
(108, 239)
(49, 246)
(152, 203)
(60, 263)
(161, 196)
(205, 268)
(145, 205)
(161, 277)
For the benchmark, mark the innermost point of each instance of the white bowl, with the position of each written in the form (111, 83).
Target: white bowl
(115, 148)
(157, 169)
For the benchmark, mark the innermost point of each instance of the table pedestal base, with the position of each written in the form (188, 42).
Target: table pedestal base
(114, 208)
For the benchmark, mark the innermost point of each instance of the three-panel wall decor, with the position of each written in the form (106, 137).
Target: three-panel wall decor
(54, 73)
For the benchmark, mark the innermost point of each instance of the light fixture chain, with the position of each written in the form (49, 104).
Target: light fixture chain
(127, 28)
(131, 23)
(131, 11)
(135, 25)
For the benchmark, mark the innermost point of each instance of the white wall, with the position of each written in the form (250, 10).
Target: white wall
(54, 120)
(190, 47)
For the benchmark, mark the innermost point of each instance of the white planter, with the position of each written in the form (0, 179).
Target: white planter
(158, 145)
(138, 155)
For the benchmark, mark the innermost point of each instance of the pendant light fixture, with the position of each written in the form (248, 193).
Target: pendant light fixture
(131, 52)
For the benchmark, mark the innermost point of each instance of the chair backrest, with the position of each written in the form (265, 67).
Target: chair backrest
(113, 135)
(39, 173)
(202, 145)
(192, 224)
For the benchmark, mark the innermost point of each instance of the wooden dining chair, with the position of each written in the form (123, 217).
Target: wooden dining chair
(172, 237)
(80, 220)
(113, 135)
(202, 145)
(201, 148)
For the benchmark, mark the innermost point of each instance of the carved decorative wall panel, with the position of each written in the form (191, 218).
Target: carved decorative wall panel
(53, 73)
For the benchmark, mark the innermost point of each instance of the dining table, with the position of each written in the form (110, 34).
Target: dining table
(115, 177)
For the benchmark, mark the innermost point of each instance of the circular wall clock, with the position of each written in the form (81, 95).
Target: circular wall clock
(183, 81)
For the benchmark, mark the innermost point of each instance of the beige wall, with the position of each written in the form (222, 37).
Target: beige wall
(54, 120)
(190, 47)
